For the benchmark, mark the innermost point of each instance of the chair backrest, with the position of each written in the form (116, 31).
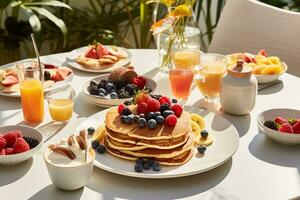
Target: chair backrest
(249, 25)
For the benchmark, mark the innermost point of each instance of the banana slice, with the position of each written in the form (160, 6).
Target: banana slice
(195, 128)
(99, 133)
(204, 141)
(199, 120)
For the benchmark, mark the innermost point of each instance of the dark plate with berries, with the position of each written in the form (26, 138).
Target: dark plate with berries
(281, 124)
(224, 134)
(18, 143)
(104, 93)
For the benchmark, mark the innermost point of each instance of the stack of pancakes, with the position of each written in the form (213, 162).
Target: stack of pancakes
(165, 144)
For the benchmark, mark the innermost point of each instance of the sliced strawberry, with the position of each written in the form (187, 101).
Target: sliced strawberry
(91, 53)
(61, 74)
(262, 52)
(49, 66)
(101, 51)
(9, 81)
(246, 58)
(250, 57)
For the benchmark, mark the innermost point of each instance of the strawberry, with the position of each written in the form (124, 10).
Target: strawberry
(250, 58)
(286, 128)
(91, 53)
(164, 100)
(280, 120)
(49, 66)
(121, 108)
(9, 151)
(142, 108)
(177, 109)
(9, 81)
(139, 81)
(2, 143)
(140, 97)
(101, 50)
(296, 127)
(171, 120)
(20, 146)
(293, 121)
(262, 52)
(2, 152)
(246, 58)
(11, 137)
(153, 105)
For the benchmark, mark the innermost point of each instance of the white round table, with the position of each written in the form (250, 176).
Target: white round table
(260, 169)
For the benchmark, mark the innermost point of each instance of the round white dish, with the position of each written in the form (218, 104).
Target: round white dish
(106, 101)
(56, 85)
(20, 157)
(226, 142)
(283, 138)
(76, 52)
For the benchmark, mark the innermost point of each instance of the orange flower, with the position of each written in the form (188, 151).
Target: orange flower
(162, 25)
(181, 11)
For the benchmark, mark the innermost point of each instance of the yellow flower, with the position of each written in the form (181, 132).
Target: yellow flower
(168, 2)
(181, 11)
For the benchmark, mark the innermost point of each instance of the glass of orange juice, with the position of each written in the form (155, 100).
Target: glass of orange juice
(186, 58)
(61, 103)
(32, 91)
(209, 74)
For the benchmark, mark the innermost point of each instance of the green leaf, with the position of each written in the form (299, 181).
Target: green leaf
(58, 22)
(48, 3)
(33, 19)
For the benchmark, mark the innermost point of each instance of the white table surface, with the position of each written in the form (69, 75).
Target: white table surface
(260, 169)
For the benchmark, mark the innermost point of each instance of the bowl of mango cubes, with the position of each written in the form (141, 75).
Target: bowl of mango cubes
(266, 68)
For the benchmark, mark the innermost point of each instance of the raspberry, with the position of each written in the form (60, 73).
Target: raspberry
(142, 108)
(139, 81)
(286, 128)
(164, 100)
(121, 108)
(11, 137)
(153, 105)
(280, 120)
(296, 128)
(20, 146)
(177, 109)
(9, 151)
(171, 120)
(2, 143)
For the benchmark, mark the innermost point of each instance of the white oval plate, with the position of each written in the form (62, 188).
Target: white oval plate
(76, 52)
(289, 139)
(226, 142)
(106, 101)
(56, 85)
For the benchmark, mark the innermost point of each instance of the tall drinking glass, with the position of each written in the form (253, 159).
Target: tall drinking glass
(32, 91)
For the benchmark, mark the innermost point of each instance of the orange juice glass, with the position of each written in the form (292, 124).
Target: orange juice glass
(61, 103)
(32, 91)
(181, 81)
(209, 74)
(186, 58)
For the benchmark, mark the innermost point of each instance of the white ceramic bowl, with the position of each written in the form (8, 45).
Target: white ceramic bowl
(289, 139)
(14, 159)
(272, 77)
(107, 101)
(70, 178)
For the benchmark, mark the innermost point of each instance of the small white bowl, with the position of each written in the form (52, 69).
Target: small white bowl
(14, 159)
(284, 138)
(70, 177)
(106, 101)
(272, 77)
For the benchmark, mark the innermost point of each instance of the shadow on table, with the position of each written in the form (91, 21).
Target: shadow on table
(269, 151)
(51, 192)
(271, 90)
(84, 109)
(51, 129)
(11, 173)
(184, 187)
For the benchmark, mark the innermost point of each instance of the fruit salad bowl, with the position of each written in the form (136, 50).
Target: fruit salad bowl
(28, 132)
(278, 136)
(271, 77)
(107, 101)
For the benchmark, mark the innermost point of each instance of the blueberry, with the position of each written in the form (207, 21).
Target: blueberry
(146, 166)
(156, 166)
(160, 119)
(47, 75)
(150, 161)
(204, 133)
(101, 90)
(138, 167)
(174, 101)
(93, 83)
(164, 107)
(126, 111)
(142, 116)
(101, 94)
(136, 118)
(141, 122)
(152, 123)
(101, 149)
(95, 144)
(123, 118)
(201, 149)
(157, 113)
(94, 90)
(167, 113)
(140, 161)
(129, 119)
(102, 84)
(150, 115)
(113, 95)
(90, 130)
(109, 86)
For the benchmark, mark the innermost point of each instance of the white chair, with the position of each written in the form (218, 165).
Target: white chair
(249, 25)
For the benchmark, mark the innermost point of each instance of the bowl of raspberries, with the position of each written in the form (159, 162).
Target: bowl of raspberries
(281, 125)
(18, 143)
